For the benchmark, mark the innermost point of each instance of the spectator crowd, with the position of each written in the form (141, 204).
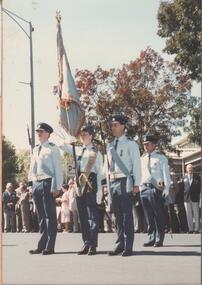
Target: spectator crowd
(182, 213)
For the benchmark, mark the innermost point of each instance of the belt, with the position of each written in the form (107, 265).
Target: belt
(91, 173)
(114, 176)
(40, 177)
(148, 185)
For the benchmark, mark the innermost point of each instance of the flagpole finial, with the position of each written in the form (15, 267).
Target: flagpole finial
(58, 16)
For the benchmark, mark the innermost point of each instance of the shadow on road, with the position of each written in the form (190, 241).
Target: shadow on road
(185, 245)
(65, 252)
(144, 252)
(9, 244)
(168, 253)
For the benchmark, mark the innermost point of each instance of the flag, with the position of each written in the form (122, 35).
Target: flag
(71, 113)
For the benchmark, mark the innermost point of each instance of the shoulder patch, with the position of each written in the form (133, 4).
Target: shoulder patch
(129, 138)
(159, 152)
(94, 148)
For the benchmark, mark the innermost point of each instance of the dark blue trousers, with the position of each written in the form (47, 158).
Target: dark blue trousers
(152, 203)
(46, 212)
(122, 206)
(88, 216)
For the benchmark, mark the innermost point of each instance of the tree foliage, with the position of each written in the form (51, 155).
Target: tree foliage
(194, 127)
(23, 162)
(180, 22)
(9, 163)
(152, 92)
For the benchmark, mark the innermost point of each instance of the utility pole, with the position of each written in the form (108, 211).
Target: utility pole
(32, 86)
(13, 16)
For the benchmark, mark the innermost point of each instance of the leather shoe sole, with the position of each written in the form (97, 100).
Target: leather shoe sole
(127, 253)
(85, 250)
(158, 244)
(150, 243)
(92, 251)
(35, 251)
(115, 252)
(47, 252)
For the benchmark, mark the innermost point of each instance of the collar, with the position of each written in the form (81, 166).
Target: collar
(44, 143)
(190, 176)
(151, 153)
(89, 147)
(122, 138)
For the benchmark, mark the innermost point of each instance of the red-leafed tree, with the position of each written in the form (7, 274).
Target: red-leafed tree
(153, 93)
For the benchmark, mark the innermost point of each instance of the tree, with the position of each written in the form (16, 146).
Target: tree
(23, 162)
(9, 163)
(194, 128)
(180, 22)
(152, 92)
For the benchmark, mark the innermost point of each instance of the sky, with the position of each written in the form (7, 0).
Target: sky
(95, 32)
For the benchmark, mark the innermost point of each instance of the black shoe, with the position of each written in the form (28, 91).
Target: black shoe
(149, 243)
(127, 253)
(84, 250)
(92, 251)
(137, 231)
(191, 232)
(117, 251)
(158, 244)
(47, 252)
(35, 251)
(196, 232)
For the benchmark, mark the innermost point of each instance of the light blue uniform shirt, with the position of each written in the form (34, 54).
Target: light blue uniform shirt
(97, 167)
(158, 167)
(129, 153)
(46, 164)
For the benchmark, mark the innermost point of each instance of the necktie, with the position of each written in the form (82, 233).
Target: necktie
(149, 163)
(112, 168)
(116, 143)
(39, 150)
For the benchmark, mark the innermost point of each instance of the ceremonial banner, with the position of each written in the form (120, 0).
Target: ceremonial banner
(71, 112)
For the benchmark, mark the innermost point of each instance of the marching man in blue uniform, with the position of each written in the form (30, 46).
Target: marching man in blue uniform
(90, 166)
(124, 179)
(46, 178)
(154, 188)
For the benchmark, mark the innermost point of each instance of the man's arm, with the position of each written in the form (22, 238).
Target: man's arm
(166, 175)
(66, 148)
(58, 173)
(99, 170)
(136, 162)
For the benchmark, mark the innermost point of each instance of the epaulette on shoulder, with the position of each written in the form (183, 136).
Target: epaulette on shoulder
(159, 152)
(51, 144)
(129, 138)
(37, 145)
(94, 148)
(144, 154)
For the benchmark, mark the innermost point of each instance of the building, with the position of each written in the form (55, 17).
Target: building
(186, 152)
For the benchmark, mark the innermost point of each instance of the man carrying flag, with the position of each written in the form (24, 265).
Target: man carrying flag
(89, 166)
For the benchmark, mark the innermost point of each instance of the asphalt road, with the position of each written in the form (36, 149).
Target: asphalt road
(178, 262)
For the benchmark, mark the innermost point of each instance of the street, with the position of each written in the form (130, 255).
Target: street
(178, 262)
